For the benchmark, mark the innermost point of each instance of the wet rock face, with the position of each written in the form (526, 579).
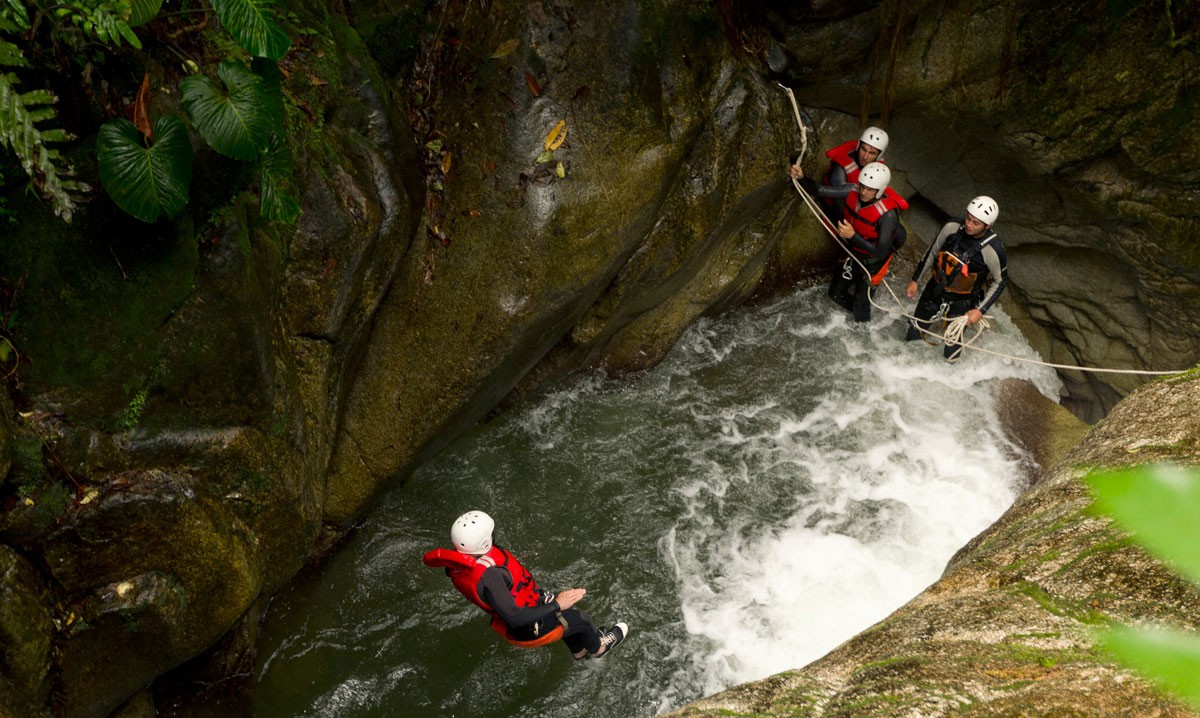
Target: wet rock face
(1082, 124)
(179, 394)
(25, 634)
(666, 201)
(1008, 628)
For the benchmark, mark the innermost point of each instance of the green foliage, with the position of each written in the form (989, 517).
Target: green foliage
(277, 204)
(13, 16)
(237, 118)
(106, 20)
(1159, 505)
(143, 11)
(20, 114)
(240, 116)
(132, 415)
(146, 181)
(252, 25)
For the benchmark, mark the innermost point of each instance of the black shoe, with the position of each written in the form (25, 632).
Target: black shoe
(611, 638)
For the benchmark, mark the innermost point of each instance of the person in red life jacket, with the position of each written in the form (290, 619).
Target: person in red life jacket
(869, 225)
(962, 258)
(525, 615)
(847, 160)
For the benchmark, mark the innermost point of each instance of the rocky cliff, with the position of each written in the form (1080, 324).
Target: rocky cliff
(201, 405)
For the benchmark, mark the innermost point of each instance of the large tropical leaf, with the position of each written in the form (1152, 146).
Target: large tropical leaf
(251, 24)
(146, 181)
(272, 84)
(238, 119)
(277, 204)
(1158, 504)
(1168, 658)
(143, 11)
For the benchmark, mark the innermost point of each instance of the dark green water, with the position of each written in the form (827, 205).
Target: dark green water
(782, 481)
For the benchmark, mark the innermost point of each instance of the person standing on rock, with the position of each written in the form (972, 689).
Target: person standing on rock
(964, 256)
(525, 615)
(869, 225)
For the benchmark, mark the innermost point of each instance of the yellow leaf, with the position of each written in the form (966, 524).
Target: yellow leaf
(556, 137)
(28, 501)
(445, 162)
(560, 171)
(506, 48)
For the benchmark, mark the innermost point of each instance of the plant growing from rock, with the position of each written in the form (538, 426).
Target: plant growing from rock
(144, 165)
(1159, 505)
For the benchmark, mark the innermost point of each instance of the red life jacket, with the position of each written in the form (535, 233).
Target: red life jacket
(466, 571)
(865, 220)
(845, 156)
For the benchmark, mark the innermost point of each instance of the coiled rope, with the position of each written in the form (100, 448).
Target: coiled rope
(955, 327)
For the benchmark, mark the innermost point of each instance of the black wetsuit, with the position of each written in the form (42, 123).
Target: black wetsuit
(526, 624)
(850, 286)
(985, 258)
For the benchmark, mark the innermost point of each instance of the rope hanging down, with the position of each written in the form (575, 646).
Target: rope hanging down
(956, 326)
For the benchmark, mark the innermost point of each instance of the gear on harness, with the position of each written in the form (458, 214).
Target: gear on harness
(847, 270)
(926, 332)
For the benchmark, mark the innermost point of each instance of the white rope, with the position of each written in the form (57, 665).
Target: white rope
(956, 326)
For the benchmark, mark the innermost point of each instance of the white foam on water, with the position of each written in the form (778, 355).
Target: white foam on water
(894, 465)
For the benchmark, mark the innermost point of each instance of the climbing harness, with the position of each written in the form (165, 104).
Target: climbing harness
(954, 328)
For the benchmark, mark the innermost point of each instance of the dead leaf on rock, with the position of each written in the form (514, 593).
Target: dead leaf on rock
(506, 48)
(557, 136)
(531, 82)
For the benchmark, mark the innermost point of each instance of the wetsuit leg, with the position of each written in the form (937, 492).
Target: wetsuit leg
(862, 295)
(580, 632)
(927, 305)
(840, 285)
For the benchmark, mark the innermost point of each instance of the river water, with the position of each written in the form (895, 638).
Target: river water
(783, 480)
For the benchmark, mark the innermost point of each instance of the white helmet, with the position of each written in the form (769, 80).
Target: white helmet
(875, 175)
(472, 533)
(984, 209)
(875, 137)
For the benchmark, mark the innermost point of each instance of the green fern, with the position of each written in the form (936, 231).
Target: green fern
(20, 114)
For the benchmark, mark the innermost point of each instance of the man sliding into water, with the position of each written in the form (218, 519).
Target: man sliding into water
(492, 578)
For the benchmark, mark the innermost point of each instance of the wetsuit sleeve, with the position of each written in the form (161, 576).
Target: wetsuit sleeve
(494, 589)
(997, 263)
(926, 262)
(837, 175)
(882, 247)
(829, 191)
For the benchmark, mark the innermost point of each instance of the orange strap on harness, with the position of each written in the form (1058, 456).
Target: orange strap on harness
(877, 277)
(545, 639)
